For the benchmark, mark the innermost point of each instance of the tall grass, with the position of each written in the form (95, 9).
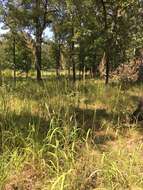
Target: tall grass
(60, 136)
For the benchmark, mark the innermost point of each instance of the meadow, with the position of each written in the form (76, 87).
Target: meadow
(63, 136)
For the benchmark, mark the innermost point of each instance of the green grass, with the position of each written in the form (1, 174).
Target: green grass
(60, 136)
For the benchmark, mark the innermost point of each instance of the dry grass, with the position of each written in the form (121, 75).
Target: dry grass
(57, 136)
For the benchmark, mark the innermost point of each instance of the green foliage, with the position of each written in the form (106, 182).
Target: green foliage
(79, 30)
(48, 55)
(24, 57)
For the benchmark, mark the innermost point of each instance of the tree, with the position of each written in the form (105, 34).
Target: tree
(8, 12)
(84, 31)
(33, 16)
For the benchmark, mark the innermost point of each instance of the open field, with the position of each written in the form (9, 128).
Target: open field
(60, 136)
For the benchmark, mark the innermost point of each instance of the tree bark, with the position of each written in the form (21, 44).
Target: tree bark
(14, 58)
(93, 70)
(107, 67)
(1, 77)
(82, 61)
(38, 43)
(72, 57)
(73, 62)
(69, 72)
(38, 56)
(94, 67)
(1, 140)
(58, 60)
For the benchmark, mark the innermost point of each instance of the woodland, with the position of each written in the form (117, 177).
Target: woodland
(71, 94)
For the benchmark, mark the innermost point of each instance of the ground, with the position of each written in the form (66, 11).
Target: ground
(60, 136)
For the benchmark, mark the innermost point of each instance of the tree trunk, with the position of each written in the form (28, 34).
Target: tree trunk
(0, 77)
(72, 57)
(93, 71)
(73, 63)
(14, 59)
(82, 61)
(58, 60)
(82, 66)
(69, 71)
(107, 69)
(74, 73)
(1, 140)
(38, 43)
(94, 68)
(107, 42)
(38, 56)
(27, 74)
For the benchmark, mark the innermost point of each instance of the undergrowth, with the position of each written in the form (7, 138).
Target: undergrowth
(60, 136)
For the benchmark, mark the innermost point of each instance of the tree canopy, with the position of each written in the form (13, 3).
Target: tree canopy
(86, 34)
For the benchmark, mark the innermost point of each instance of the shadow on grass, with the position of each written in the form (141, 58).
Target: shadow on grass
(86, 118)
(92, 120)
(24, 124)
(135, 98)
(99, 119)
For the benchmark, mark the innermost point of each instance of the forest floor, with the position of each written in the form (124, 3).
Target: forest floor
(60, 136)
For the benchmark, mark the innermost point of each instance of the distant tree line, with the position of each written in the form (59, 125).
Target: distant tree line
(86, 33)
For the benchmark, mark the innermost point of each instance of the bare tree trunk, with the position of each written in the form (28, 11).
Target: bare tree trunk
(1, 141)
(27, 74)
(1, 77)
(58, 60)
(107, 42)
(38, 55)
(72, 57)
(38, 43)
(107, 69)
(73, 65)
(94, 67)
(82, 61)
(69, 71)
(14, 58)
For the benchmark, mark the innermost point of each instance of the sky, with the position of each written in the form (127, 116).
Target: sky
(47, 32)
(2, 31)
